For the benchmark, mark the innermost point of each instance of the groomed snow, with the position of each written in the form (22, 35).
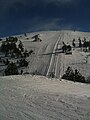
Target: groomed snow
(29, 97)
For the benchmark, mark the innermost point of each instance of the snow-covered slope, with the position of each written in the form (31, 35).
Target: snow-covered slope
(39, 98)
(28, 97)
(47, 57)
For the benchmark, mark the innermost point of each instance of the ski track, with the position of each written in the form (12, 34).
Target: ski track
(54, 58)
(59, 58)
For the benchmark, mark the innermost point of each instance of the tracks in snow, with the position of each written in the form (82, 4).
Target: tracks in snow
(56, 62)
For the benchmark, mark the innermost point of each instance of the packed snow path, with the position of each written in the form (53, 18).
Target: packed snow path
(38, 98)
(53, 67)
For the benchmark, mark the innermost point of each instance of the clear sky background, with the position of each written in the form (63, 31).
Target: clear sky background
(20, 16)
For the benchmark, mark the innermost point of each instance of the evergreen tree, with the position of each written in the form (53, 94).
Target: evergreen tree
(73, 43)
(11, 69)
(23, 63)
(21, 46)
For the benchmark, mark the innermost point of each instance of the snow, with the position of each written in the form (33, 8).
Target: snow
(30, 97)
(48, 59)
(39, 98)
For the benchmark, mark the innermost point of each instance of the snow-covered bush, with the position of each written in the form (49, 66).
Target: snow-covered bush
(73, 75)
(69, 74)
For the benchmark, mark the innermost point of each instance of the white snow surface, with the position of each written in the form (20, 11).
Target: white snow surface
(47, 57)
(29, 97)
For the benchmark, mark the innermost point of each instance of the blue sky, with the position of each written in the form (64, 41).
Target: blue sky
(20, 16)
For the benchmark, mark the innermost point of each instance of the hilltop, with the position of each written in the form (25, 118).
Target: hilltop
(47, 57)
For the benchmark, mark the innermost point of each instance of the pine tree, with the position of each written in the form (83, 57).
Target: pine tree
(11, 69)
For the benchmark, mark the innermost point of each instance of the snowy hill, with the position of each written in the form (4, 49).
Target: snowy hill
(32, 97)
(48, 59)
